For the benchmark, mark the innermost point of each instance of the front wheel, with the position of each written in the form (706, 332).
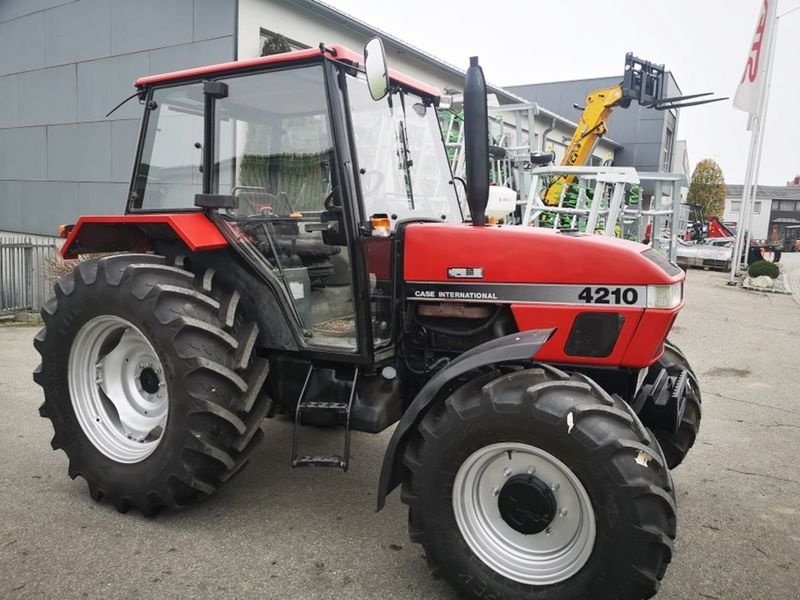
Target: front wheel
(537, 485)
(676, 444)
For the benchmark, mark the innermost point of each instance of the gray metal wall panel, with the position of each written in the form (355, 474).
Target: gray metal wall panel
(651, 130)
(147, 24)
(48, 96)
(123, 148)
(63, 65)
(648, 157)
(47, 204)
(22, 44)
(102, 198)
(79, 152)
(104, 83)
(191, 55)
(64, 25)
(11, 205)
(213, 18)
(8, 101)
(22, 154)
(13, 9)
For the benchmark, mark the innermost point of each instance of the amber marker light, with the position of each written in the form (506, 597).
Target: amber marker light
(381, 225)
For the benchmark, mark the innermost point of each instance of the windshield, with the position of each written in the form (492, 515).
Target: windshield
(402, 163)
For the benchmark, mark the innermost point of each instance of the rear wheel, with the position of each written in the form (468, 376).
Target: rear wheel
(538, 485)
(150, 381)
(676, 444)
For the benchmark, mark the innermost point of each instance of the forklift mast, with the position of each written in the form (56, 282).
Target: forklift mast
(644, 82)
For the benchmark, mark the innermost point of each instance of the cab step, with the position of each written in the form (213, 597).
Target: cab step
(332, 460)
(320, 407)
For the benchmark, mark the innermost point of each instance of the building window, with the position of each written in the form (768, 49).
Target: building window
(785, 205)
(668, 144)
(757, 208)
(735, 206)
(269, 38)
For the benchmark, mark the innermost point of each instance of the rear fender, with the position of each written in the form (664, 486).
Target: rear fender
(514, 348)
(133, 233)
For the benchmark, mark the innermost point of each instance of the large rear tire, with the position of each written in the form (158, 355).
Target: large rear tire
(150, 381)
(676, 445)
(537, 485)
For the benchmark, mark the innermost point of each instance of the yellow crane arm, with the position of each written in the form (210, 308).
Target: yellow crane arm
(591, 127)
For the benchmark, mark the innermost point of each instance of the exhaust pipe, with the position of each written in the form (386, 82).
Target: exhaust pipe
(476, 142)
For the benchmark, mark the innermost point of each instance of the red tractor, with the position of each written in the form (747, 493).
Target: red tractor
(294, 244)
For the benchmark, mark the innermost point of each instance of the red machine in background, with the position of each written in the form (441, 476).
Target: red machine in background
(709, 244)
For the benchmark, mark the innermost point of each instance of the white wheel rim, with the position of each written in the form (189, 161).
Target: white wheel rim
(544, 558)
(118, 389)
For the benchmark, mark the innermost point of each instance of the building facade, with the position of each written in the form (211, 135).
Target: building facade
(774, 208)
(64, 64)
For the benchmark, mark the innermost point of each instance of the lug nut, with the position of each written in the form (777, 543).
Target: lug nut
(531, 470)
(507, 472)
(549, 531)
(554, 486)
(496, 492)
(562, 512)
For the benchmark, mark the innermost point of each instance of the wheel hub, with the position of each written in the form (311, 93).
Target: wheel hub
(149, 380)
(526, 504)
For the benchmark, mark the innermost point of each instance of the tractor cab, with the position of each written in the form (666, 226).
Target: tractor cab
(306, 167)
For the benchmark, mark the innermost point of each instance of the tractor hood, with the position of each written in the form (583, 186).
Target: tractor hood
(511, 254)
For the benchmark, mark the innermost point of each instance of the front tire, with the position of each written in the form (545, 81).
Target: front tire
(676, 445)
(150, 381)
(538, 485)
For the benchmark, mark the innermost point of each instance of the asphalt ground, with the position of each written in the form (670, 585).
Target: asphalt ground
(277, 533)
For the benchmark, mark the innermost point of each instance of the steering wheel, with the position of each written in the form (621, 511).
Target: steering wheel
(263, 195)
(329, 203)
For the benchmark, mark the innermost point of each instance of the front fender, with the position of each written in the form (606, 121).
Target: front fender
(512, 348)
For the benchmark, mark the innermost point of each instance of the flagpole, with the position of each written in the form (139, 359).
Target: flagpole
(763, 124)
(753, 162)
(744, 209)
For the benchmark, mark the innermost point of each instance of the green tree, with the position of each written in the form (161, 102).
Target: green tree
(708, 188)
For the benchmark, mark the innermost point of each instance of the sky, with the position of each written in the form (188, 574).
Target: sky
(703, 42)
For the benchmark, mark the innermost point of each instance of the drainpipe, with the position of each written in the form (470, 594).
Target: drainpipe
(547, 131)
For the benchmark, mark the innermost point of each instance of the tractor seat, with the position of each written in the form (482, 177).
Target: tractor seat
(308, 249)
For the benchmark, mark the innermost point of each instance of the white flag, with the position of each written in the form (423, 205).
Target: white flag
(754, 77)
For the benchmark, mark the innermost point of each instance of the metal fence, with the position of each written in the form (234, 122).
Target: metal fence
(25, 264)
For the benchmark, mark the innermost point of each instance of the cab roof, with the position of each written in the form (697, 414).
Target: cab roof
(334, 52)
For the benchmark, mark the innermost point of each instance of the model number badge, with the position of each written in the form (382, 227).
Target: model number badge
(465, 272)
(609, 295)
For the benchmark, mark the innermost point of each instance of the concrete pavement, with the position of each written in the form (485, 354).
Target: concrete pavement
(313, 534)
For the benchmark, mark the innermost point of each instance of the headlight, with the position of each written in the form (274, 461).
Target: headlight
(664, 296)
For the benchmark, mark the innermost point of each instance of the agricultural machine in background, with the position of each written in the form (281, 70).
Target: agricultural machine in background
(644, 82)
(709, 244)
(294, 246)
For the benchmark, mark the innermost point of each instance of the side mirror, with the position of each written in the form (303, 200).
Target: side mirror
(375, 66)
